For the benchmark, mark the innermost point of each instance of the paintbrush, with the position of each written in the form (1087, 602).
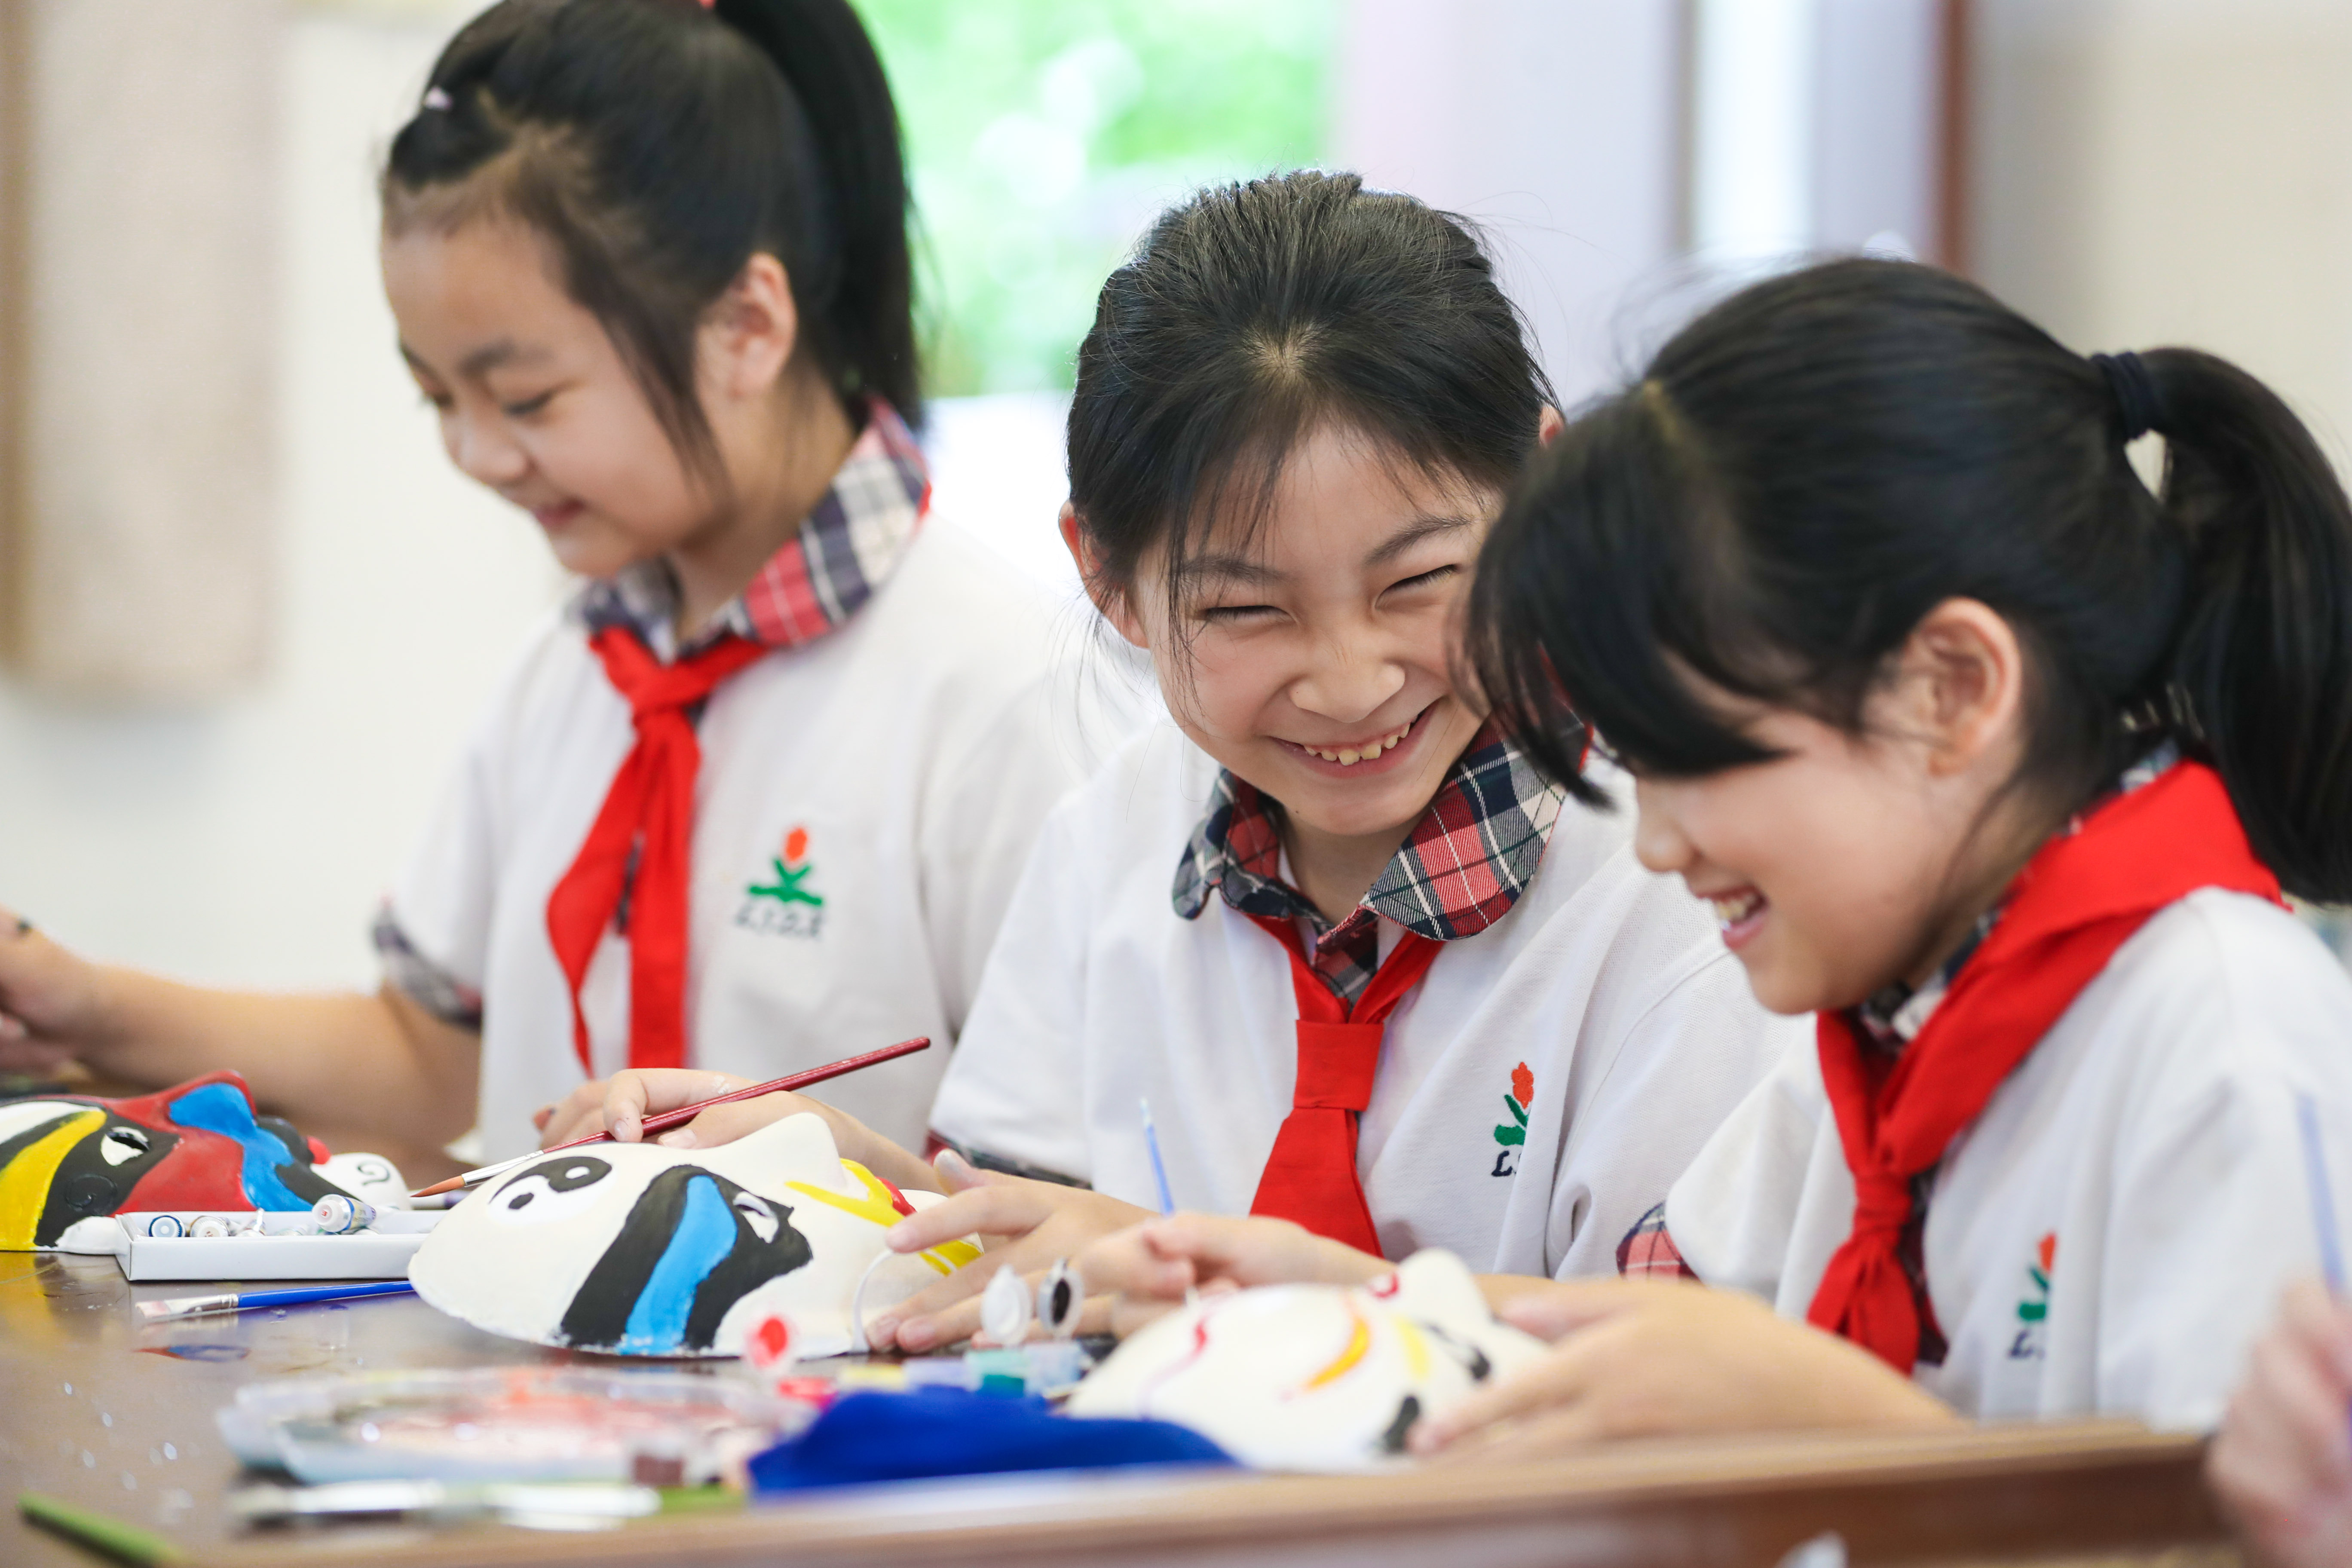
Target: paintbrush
(249, 1300)
(664, 1120)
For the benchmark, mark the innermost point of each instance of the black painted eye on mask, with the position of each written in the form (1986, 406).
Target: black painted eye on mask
(549, 1191)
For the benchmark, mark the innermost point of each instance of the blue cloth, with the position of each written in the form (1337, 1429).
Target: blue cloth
(949, 1432)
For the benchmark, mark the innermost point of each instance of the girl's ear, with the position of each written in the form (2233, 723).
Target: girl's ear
(748, 336)
(1966, 671)
(1549, 425)
(1113, 603)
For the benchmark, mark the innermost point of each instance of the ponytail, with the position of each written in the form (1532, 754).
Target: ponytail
(2262, 666)
(825, 54)
(1810, 468)
(657, 146)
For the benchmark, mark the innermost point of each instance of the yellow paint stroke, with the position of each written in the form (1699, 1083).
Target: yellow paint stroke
(25, 1184)
(1416, 1349)
(1360, 1342)
(950, 1256)
(877, 1206)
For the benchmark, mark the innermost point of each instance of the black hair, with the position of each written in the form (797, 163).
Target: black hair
(658, 145)
(1254, 312)
(1810, 468)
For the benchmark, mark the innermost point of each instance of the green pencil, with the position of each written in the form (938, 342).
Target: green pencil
(123, 1542)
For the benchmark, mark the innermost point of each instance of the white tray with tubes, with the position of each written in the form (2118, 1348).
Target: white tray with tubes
(263, 1246)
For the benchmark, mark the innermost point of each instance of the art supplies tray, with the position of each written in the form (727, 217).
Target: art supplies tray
(284, 1246)
(499, 1424)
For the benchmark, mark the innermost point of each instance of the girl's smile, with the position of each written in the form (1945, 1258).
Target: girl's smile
(1740, 914)
(1378, 754)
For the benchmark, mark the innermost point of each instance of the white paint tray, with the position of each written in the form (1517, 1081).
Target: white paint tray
(281, 1251)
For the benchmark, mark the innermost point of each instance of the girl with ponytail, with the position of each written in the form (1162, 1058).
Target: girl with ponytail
(759, 794)
(2001, 764)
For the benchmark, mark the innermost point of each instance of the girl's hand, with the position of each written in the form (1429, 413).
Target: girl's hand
(1025, 1225)
(1639, 1357)
(2283, 1464)
(620, 1104)
(49, 1004)
(1150, 1267)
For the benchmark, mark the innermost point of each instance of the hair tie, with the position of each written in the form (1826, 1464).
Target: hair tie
(2137, 401)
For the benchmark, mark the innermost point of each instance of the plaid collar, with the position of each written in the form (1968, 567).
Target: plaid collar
(1460, 869)
(1893, 1016)
(850, 543)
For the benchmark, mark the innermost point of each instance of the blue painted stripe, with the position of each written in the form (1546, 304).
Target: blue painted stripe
(219, 1108)
(704, 1236)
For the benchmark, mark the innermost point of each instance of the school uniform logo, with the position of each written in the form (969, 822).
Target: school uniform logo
(2033, 1307)
(1512, 1135)
(779, 902)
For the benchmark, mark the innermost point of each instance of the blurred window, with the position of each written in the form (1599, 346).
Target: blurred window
(1044, 135)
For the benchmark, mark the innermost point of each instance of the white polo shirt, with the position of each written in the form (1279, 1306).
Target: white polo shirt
(865, 805)
(2111, 1234)
(1608, 986)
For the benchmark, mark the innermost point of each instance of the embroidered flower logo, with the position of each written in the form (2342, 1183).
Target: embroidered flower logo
(791, 868)
(2036, 1305)
(2033, 1307)
(779, 902)
(1513, 1134)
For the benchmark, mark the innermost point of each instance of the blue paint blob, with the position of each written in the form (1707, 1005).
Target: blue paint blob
(704, 1236)
(219, 1108)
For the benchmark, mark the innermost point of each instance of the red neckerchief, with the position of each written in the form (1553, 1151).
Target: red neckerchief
(2078, 900)
(1311, 1176)
(641, 846)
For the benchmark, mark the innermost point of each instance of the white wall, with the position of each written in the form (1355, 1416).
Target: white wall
(247, 842)
(1558, 125)
(2154, 171)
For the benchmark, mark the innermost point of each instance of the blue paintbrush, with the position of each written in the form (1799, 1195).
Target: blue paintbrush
(248, 1300)
(1159, 1168)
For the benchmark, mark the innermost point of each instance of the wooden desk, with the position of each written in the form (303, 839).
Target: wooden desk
(87, 1414)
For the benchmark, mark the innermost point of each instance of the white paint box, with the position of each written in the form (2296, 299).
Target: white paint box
(288, 1246)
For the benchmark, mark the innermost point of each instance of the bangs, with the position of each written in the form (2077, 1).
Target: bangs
(1603, 589)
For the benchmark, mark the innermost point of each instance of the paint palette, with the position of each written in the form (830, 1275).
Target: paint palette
(1313, 1377)
(637, 1249)
(506, 1424)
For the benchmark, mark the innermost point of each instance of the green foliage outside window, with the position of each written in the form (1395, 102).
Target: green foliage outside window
(1044, 135)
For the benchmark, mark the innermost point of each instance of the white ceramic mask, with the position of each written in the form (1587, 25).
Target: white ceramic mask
(1313, 1377)
(637, 1249)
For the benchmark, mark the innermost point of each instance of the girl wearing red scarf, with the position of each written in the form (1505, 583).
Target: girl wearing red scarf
(758, 797)
(1999, 763)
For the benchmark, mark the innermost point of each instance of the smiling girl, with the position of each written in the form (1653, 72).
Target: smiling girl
(757, 797)
(1369, 973)
(1999, 763)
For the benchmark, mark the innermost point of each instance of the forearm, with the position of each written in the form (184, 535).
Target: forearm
(339, 1065)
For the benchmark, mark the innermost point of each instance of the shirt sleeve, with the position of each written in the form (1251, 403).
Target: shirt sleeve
(989, 801)
(1015, 1089)
(1733, 1214)
(1680, 1070)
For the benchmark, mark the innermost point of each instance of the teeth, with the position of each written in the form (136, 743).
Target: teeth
(1731, 911)
(1347, 756)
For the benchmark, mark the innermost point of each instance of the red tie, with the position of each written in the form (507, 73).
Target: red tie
(1311, 1177)
(2077, 901)
(640, 848)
